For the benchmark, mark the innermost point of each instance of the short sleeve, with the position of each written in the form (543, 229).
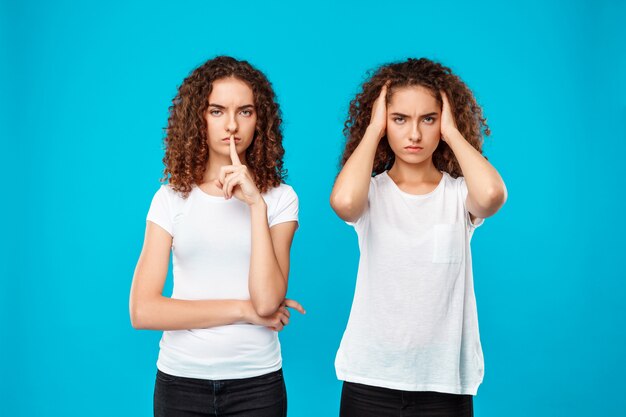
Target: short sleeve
(463, 195)
(286, 209)
(160, 211)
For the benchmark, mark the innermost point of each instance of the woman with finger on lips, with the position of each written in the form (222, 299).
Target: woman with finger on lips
(415, 187)
(228, 220)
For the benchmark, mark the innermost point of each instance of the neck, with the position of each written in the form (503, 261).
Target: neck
(414, 173)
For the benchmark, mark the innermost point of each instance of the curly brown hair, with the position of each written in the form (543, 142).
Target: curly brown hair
(416, 72)
(186, 148)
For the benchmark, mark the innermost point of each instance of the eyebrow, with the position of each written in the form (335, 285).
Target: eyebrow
(420, 116)
(244, 107)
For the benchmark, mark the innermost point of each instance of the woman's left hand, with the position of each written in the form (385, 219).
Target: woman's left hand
(235, 180)
(448, 124)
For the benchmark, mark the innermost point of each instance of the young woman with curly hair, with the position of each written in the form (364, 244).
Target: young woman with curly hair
(414, 185)
(219, 354)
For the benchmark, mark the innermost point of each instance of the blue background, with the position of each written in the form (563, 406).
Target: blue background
(85, 89)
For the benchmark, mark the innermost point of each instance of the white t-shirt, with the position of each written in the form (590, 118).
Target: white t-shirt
(211, 260)
(413, 324)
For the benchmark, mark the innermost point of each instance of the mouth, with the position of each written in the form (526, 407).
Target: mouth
(227, 140)
(413, 148)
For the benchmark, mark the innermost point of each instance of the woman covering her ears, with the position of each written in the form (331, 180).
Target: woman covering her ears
(415, 187)
(228, 220)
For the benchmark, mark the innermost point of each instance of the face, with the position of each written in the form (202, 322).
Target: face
(231, 111)
(413, 124)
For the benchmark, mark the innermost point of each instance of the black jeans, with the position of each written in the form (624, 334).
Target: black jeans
(358, 400)
(259, 396)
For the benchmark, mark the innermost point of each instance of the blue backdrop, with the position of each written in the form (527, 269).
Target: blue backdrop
(85, 88)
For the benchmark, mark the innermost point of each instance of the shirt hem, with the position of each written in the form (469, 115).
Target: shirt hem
(285, 220)
(448, 389)
(161, 225)
(218, 376)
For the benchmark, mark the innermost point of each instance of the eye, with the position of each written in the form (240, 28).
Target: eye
(215, 112)
(399, 120)
(429, 120)
(246, 113)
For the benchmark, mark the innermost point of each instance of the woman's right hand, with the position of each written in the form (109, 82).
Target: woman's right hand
(378, 120)
(279, 319)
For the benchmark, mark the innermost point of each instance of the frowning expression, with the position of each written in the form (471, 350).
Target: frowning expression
(231, 111)
(413, 123)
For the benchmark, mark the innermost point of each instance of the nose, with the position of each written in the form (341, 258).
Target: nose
(231, 124)
(415, 135)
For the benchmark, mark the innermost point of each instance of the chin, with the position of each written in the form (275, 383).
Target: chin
(413, 159)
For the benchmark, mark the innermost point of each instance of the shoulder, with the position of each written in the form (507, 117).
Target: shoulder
(379, 178)
(457, 183)
(455, 189)
(167, 197)
(167, 191)
(379, 182)
(282, 204)
(282, 192)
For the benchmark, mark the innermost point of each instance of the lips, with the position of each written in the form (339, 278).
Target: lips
(237, 140)
(413, 148)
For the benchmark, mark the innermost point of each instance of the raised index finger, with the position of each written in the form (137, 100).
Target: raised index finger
(233, 151)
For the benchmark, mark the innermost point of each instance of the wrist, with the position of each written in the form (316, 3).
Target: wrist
(246, 311)
(259, 205)
(375, 131)
(452, 135)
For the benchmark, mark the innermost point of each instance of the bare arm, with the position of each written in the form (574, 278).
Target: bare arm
(349, 195)
(269, 260)
(486, 190)
(149, 309)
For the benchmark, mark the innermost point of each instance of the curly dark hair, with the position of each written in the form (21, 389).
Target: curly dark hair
(186, 148)
(415, 72)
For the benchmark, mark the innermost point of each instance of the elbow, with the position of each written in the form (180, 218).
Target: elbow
(266, 298)
(494, 198)
(267, 304)
(136, 322)
(265, 309)
(344, 207)
(138, 316)
(497, 195)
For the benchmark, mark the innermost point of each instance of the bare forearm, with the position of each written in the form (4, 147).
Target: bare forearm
(349, 194)
(267, 283)
(163, 313)
(484, 184)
